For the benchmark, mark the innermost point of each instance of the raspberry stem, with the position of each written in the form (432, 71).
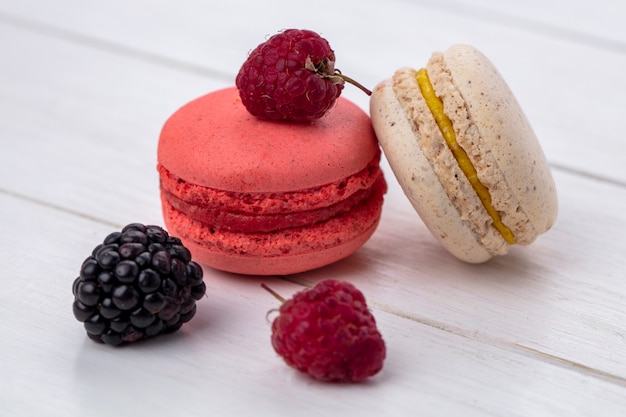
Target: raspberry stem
(326, 69)
(274, 293)
(353, 82)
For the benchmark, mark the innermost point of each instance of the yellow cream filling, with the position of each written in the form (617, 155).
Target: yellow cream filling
(445, 125)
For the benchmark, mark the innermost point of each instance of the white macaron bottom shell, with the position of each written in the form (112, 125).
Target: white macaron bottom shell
(419, 182)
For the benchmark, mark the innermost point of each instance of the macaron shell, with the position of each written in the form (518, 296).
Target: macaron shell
(284, 265)
(213, 141)
(282, 252)
(506, 134)
(417, 178)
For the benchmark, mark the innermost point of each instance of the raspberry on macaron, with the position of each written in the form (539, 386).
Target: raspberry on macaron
(291, 77)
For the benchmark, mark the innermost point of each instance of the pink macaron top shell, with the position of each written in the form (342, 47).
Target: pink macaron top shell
(214, 142)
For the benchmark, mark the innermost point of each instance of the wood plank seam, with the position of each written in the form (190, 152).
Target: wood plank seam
(500, 343)
(527, 25)
(118, 49)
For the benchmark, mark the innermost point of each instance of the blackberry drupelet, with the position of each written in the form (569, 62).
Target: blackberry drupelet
(137, 283)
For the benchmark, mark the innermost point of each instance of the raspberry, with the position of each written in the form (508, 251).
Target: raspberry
(328, 333)
(292, 77)
(137, 283)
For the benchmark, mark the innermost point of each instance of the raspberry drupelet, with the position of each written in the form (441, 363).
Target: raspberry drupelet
(328, 333)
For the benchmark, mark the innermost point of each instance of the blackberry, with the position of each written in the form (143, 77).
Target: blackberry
(137, 283)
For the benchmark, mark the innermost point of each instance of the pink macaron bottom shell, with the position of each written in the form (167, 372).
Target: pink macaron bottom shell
(280, 252)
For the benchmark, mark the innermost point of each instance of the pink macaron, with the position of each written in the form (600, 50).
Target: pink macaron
(258, 197)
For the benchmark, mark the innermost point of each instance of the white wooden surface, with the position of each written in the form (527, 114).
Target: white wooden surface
(85, 87)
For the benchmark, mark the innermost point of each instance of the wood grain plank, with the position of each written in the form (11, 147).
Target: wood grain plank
(80, 126)
(557, 78)
(597, 23)
(221, 363)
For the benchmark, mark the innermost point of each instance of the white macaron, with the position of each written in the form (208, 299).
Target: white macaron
(465, 154)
